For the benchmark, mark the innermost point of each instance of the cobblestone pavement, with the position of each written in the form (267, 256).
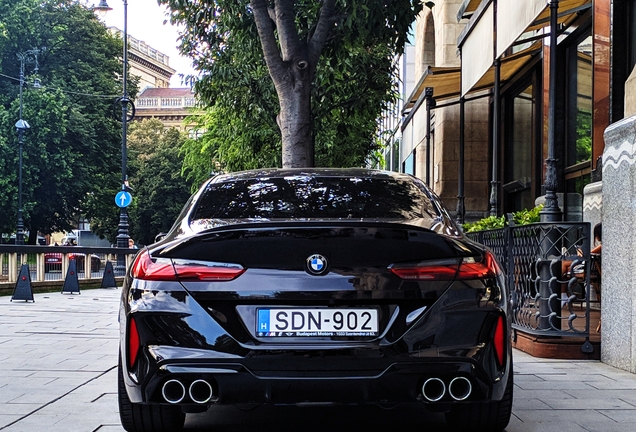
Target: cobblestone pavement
(58, 360)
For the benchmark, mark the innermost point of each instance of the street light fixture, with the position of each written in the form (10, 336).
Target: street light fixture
(126, 105)
(22, 126)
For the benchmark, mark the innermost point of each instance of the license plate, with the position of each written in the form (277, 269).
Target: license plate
(312, 322)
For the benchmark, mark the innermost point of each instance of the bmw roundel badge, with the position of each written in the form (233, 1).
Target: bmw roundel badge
(316, 264)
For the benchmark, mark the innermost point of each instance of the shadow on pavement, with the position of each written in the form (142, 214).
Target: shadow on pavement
(266, 418)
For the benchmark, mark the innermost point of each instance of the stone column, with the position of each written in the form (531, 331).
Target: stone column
(618, 344)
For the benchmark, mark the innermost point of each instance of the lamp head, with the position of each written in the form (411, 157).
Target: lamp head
(102, 8)
(22, 125)
(37, 84)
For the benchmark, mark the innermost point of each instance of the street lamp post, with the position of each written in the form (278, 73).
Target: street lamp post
(126, 103)
(22, 126)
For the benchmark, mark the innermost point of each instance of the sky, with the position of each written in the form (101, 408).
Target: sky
(145, 22)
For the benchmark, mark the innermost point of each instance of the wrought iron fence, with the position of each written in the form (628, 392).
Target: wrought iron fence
(547, 268)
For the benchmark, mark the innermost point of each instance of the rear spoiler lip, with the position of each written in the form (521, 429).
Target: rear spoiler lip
(319, 223)
(166, 249)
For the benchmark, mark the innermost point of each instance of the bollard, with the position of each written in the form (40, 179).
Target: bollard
(108, 280)
(71, 284)
(23, 290)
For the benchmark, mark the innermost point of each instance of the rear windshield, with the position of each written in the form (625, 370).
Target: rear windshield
(313, 198)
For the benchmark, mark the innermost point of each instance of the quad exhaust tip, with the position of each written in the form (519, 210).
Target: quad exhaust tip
(459, 388)
(173, 391)
(433, 389)
(201, 391)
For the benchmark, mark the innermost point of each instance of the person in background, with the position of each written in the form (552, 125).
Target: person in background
(596, 250)
(598, 239)
(131, 244)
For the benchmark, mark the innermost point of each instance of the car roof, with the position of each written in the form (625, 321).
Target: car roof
(309, 172)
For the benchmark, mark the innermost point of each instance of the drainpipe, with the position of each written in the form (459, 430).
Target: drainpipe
(495, 139)
(495, 121)
(430, 103)
(461, 210)
(551, 211)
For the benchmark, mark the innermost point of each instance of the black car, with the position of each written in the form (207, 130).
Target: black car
(301, 286)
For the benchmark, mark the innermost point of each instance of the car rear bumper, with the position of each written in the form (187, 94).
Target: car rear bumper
(399, 381)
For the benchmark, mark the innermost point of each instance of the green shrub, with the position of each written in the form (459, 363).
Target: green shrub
(522, 217)
(491, 222)
(525, 217)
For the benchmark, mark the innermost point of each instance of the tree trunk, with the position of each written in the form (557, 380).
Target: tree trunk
(294, 119)
(292, 64)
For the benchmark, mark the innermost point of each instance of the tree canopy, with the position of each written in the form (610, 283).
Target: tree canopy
(321, 70)
(160, 189)
(72, 147)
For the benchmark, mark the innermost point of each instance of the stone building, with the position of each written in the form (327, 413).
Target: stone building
(156, 99)
(149, 64)
(516, 99)
(170, 105)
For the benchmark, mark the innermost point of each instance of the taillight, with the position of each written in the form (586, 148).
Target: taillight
(486, 268)
(133, 342)
(446, 270)
(206, 271)
(147, 268)
(429, 271)
(499, 340)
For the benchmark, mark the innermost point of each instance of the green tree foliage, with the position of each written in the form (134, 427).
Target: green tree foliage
(72, 148)
(349, 78)
(160, 190)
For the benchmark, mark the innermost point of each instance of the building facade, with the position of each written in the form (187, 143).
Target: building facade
(463, 45)
(519, 100)
(169, 105)
(149, 64)
(156, 99)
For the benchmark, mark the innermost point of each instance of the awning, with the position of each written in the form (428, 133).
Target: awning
(467, 8)
(514, 18)
(568, 9)
(509, 67)
(446, 81)
(478, 49)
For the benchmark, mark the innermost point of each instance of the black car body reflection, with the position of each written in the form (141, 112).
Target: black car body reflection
(315, 286)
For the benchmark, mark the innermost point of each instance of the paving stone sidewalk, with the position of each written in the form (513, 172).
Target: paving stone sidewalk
(58, 360)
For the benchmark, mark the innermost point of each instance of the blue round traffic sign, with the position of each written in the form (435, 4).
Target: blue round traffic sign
(123, 199)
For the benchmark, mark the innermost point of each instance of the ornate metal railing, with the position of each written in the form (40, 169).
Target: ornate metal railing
(548, 298)
(50, 263)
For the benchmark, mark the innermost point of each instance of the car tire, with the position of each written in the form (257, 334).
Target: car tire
(146, 418)
(482, 416)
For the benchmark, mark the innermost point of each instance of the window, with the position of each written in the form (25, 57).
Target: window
(578, 151)
(305, 197)
(408, 166)
(519, 167)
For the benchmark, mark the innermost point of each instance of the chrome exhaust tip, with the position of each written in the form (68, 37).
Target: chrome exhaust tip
(433, 389)
(460, 388)
(201, 391)
(173, 391)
